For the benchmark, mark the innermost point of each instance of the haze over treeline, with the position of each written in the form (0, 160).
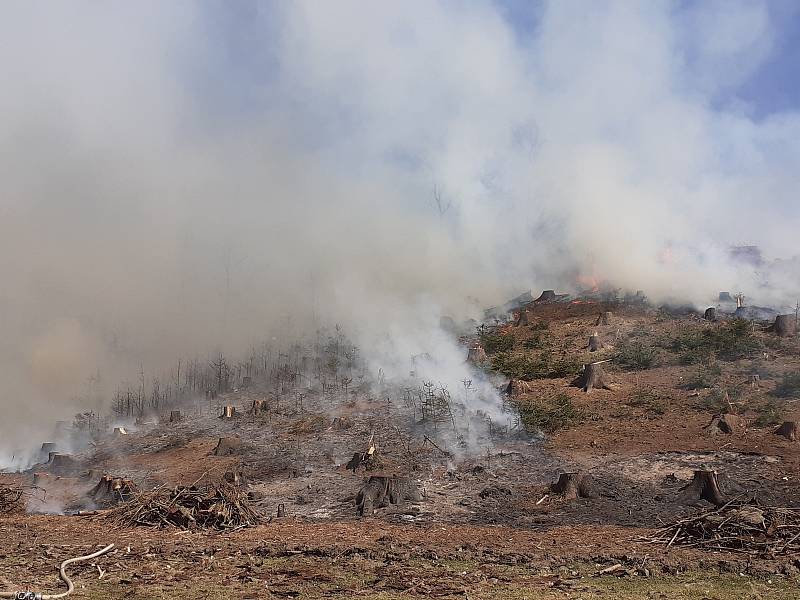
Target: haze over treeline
(182, 178)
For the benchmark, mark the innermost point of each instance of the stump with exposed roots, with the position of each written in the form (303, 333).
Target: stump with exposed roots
(228, 412)
(476, 355)
(605, 318)
(710, 314)
(593, 376)
(228, 446)
(703, 486)
(788, 429)
(785, 325)
(574, 484)
(727, 423)
(595, 343)
(381, 490)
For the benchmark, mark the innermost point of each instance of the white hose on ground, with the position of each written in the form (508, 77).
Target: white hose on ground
(63, 574)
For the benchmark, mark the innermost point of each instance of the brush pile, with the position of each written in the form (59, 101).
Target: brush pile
(737, 527)
(9, 499)
(223, 507)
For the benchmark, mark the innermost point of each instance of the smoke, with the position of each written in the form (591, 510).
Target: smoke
(178, 179)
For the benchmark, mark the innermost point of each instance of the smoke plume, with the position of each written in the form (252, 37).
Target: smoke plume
(183, 178)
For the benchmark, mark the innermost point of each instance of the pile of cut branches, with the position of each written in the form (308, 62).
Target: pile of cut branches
(9, 498)
(222, 507)
(737, 527)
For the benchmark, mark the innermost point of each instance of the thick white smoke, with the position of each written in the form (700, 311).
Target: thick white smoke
(180, 177)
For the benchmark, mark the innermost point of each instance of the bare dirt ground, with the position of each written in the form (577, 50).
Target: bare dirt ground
(488, 525)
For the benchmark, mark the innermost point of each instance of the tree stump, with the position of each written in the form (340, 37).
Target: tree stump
(61, 463)
(525, 318)
(785, 325)
(110, 490)
(228, 412)
(247, 381)
(703, 486)
(47, 448)
(41, 479)
(119, 431)
(281, 510)
(727, 423)
(593, 376)
(605, 318)
(547, 296)
(235, 478)
(228, 446)
(355, 462)
(574, 484)
(174, 416)
(259, 407)
(476, 355)
(710, 314)
(595, 343)
(726, 297)
(381, 490)
(788, 429)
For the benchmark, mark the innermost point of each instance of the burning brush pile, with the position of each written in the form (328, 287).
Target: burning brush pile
(737, 527)
(222, 507)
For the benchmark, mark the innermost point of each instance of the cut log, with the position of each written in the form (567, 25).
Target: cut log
(595, 343)
(476, 355)
(710, 314)
(574, 484)
(228, 412)
(785, 325)
(605, 318)
(259, 407)
(547, 296)
(788, 429)
(228, 446)
(727, 423)
(175, 416)
(381, 490)
(593, 376)
(703, 486)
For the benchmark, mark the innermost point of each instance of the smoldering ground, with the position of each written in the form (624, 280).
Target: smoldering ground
(182, 179)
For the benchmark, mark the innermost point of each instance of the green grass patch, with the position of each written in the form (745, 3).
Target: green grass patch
(539, 365)
(496, 341)
(727, 341)
(635, 356)
(550, 414)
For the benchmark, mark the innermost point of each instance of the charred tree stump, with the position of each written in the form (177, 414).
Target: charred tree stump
(547, 296)
(228, 412)
(175, 416)
(785, 325)
(726, 297)
(605, 318)
(41, 479)
(381, 490)
(355, 462)
(595, 343)
(574, 484)
(476, 355)
(228, 446)
(593, 376)
(727, 423)
(703, 486)
(788, 429)
(281, 510)
(525, 318)
(110, 490)
(61, 463)
(710, 314)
